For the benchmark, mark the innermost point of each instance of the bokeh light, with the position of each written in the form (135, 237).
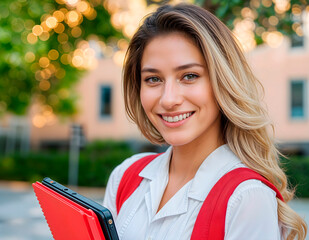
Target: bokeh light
(38, 121)
(59, 15)
(51, 22)
(31, 38)
(44, 62)
(76, 32)
(37, 30)
(44, 85)
(44, 36)
(60, 28)
(29, 57)
(53, 54)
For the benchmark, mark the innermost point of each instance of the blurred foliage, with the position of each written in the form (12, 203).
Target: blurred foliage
(96, 163)
(297, 169)
(268, 15)
(29, 70)
(38, 40)
(99, 158)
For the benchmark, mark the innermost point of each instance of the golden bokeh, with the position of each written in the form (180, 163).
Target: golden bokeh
(259, 31)
(53, 54)
(90, 13)
(44, 62)
(51, 22)
(83, 6)
(66, 59)
(60, 28)
(267, 3)
(38, 121)
(72, 2)
(29, 57)
(62, 38)
(60, 73)
(281, 6)
(122, 44)
(44, 26)
(273, 20)
(37, 30)
(119, 57)
(89, 53)
(45, 73)
(58, 15)
(67, 47)
(77, 61)
(31, 38)
(299, 31)
(273, 39)
(44, 85)
(44, 36)
(52, 68)
(76, 32)
(72, 17)
(248, 13)
(38, 75)
(255, 3)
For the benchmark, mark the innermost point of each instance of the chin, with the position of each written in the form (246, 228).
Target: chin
(177, 141)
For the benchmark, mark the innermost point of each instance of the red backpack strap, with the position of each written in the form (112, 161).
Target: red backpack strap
(131, 180)
(210, 222)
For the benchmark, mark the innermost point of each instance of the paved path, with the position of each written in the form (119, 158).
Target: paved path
(21, 217)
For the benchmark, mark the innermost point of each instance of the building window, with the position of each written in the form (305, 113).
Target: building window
(105, 101)
(297, 41)
(298, 99)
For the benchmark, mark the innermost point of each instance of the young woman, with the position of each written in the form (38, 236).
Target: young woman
(187, 84)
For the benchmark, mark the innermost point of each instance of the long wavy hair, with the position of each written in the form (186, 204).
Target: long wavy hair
(245, 123)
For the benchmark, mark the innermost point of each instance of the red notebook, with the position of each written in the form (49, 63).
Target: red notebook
(67, 220)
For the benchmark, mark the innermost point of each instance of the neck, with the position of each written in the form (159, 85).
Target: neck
(187, 159)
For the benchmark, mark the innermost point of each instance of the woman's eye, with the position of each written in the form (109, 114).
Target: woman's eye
(190, 76)
(152, 80)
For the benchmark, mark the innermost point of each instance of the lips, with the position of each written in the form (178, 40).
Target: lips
(176, 118)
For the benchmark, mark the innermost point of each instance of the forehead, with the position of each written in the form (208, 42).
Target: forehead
(171, 49)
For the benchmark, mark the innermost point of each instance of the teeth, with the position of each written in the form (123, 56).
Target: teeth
(177, 118)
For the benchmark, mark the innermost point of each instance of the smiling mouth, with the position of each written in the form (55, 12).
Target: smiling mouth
(177, 118)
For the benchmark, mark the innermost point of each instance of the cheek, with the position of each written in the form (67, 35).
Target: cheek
(146, 99)
(203, 96)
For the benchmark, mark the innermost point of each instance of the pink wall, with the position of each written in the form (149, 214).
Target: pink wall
(118, 126)
(275, 67)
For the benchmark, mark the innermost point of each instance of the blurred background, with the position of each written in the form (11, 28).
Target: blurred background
(61, 108)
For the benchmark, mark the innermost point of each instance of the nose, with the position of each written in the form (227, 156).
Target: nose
(171, 95)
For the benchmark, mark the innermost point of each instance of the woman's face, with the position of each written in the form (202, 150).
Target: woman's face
(176, 93)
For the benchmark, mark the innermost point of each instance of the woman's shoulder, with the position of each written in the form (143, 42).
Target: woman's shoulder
(252, 208)
(114, 181)
(118, 172)
(121, 168)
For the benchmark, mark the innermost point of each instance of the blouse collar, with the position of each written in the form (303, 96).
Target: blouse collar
(219, 162)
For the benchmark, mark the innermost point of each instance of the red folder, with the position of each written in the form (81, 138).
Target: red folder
(67, 220)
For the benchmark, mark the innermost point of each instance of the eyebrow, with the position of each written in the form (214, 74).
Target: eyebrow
(182, 67)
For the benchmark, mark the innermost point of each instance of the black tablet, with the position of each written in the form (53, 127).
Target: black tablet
(103, 214)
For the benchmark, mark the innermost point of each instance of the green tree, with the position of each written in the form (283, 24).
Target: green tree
(42, 53)
(283, 16)
(37, 43)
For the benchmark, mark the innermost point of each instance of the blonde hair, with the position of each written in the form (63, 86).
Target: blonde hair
(245, 124)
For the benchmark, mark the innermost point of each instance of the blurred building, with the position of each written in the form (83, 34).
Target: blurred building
(284, 73)
(101, 111)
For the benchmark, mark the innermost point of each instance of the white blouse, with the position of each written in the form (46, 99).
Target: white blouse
(251, 212)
